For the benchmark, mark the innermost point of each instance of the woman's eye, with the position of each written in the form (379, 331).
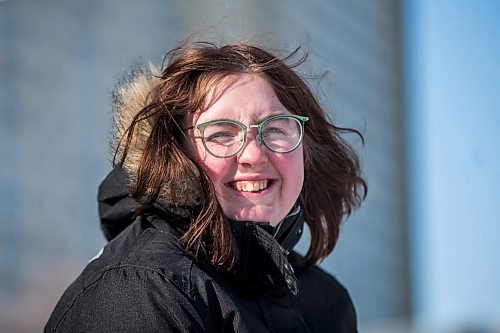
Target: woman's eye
(275, 131)
(220, 137)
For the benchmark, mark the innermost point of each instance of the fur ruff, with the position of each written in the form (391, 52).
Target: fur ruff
(131, 95)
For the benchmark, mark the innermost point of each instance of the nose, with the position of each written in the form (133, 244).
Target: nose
(253, 152)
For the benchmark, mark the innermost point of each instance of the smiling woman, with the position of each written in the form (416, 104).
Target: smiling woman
(257, 180)
(220, 159)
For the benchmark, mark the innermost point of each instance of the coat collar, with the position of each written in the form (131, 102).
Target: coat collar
(263, 264)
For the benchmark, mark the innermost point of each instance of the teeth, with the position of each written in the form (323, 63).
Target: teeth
(251, 186)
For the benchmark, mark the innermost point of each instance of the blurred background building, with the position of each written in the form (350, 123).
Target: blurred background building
(420, 79)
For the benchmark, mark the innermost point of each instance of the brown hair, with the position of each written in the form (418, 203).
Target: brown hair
(333, 185)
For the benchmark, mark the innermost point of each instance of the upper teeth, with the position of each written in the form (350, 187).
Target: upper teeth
(251, 186)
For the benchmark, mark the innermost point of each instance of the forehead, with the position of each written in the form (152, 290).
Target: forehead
(242, 97)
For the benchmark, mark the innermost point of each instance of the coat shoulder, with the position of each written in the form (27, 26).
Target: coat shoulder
(140, 272)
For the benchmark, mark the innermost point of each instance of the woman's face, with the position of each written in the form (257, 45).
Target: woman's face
(238, 179)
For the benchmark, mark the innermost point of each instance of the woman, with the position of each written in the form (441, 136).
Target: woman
(221, 159)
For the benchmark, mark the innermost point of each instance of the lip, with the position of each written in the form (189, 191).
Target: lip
(251, 178)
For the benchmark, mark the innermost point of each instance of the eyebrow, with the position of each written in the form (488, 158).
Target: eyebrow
(268, 115)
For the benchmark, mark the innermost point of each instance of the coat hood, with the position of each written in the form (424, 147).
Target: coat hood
(132, 94)
(116, 207)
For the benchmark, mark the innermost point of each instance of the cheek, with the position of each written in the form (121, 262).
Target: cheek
(198, 154)
(216, 168)
(292, 171)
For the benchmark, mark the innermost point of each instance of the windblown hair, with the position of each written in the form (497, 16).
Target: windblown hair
(150, 113)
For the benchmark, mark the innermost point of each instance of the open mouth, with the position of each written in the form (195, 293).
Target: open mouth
(250, 185)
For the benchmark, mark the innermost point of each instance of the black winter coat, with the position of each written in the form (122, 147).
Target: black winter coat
(143, 281)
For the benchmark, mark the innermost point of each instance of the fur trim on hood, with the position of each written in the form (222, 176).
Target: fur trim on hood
(131, 95)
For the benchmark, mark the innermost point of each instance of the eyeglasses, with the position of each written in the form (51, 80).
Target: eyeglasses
(225, 138)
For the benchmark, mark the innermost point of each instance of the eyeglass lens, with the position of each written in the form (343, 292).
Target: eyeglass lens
(225, 138)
